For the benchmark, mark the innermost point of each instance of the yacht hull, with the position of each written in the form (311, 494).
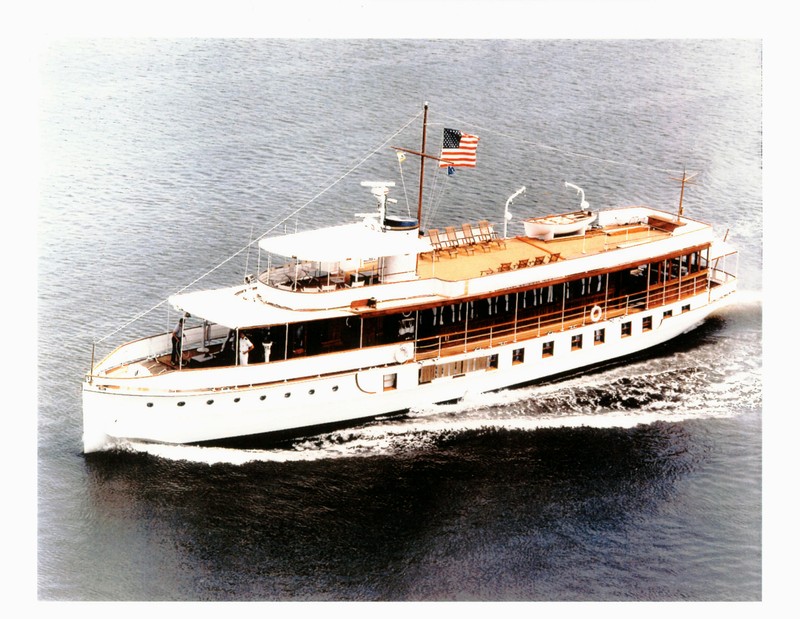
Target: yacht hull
(115, 415)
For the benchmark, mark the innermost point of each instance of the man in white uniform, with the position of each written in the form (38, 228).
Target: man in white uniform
(245, 346)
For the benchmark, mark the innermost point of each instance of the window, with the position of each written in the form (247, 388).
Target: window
(686, 308)
(547, 349)
(668, 313)
(647, 323)
(626, 329)
(389, 382)
(518, 356)
(577, 342)
(599, 336)
(493, 362)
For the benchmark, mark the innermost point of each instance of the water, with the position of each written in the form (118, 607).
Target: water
(641, 481)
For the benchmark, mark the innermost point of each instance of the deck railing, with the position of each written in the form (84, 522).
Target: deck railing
(529, 327)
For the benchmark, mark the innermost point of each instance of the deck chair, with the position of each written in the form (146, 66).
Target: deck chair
(453, 239)
(504, 266)
(538, 260)
(523, 264)
(490, 235)
(555, 257)
(438, 245)
(470, 239)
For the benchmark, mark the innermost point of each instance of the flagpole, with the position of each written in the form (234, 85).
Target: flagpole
(422, 167)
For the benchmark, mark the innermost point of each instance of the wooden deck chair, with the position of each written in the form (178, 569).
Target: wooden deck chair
(469, 237)
(523, 264)
(485, 232)
(555, 257)
(438, 245)
(538, 260)
(453, 239)
(504, 266)
(490, 235)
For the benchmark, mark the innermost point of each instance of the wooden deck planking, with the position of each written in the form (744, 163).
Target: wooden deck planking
(463, 266)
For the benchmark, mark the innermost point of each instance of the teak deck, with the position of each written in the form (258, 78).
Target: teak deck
(462, 265)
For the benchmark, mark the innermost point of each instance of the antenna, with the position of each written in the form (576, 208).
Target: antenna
(379, 189)
(685, 180)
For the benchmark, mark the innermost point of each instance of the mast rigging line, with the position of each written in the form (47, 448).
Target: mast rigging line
(286, 218)
(562, 151)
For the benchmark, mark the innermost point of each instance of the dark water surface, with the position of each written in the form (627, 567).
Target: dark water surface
(640, 481)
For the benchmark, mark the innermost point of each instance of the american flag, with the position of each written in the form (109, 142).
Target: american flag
(459, 149)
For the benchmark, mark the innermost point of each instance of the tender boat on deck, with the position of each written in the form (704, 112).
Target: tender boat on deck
(368, 318)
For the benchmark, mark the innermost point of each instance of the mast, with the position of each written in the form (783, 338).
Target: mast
(685, 180)
(422, 155)
(422, 166)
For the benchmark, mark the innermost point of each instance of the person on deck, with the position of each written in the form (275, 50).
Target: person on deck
(245, 346)
(177, 337)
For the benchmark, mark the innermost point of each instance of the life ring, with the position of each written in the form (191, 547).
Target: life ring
(403, 353)
(597, 313)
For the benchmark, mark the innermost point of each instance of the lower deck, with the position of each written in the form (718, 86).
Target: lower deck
(514, 319)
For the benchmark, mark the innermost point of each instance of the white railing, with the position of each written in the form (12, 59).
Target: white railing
(157, 345)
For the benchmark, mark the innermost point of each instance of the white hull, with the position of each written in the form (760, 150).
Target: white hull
(162, 414)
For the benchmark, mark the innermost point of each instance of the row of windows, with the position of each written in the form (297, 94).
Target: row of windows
(457, 368)
(576, 343)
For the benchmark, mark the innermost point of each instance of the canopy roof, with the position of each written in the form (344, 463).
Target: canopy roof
(348, 242)
(240, 307)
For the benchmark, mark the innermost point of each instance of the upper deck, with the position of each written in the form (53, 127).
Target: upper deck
(331, 275)
(464, 261)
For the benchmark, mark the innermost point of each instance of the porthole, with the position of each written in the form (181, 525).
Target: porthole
(149, 405)
(287, 395)
(335, 388)
(209, 401)
(181, 403)
(263, 397)
(311, 391)
(236, 399)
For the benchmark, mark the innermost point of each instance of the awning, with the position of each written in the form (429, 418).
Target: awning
(344, 243)
(240, 307)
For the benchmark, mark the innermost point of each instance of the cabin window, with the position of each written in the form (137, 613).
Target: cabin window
(647, 323)
(626, 329)
(686, 308)
(577, 342)
(493, 362)
(518, 356)
(599, 336)
(547, 349)
(389, 382)
(668, 314)
(335, 388)
(149, 404)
